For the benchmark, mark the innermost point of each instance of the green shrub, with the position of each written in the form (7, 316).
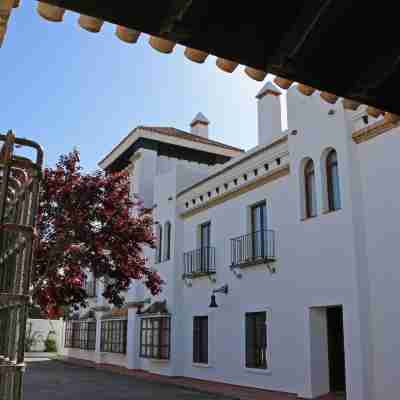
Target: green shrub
(50, 345)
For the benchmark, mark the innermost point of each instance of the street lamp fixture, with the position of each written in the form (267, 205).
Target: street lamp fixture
(223, 290)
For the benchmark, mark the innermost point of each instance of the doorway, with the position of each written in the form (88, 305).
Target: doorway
(336, 355)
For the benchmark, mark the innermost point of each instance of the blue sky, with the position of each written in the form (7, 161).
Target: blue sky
(65, 87)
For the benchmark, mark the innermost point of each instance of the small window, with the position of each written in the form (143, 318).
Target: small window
(201, 198)
(159, 244)
(332, 181)
(255, 172)
(256, 340)
(309, 190)
(187, 204)
(209, 194)
(155, 338)
(235, 181)
(217, 190)
(245, 177)
(200, 340)
(226, 186)
(167, 241)
(259, 234)
(278, 161)
(266, 166)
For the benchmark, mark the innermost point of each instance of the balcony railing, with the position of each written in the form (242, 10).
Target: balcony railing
(256, 247)
(199, 262)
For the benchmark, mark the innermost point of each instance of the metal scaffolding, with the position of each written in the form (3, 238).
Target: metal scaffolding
(19, 190)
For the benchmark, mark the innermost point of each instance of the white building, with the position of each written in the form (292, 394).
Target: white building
(303, 233)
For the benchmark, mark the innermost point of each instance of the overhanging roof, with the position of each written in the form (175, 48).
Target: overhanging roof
(345, 49)
(171, 142)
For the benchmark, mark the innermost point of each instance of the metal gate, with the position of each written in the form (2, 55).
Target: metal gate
(19, 190)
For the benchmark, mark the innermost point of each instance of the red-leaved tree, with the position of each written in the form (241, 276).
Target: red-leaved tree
(89, 222)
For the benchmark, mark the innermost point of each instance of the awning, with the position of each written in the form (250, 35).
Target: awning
(177, 27)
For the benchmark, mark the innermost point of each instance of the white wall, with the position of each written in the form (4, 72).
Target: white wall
(379, 169)
(346, 258)
(42, 327)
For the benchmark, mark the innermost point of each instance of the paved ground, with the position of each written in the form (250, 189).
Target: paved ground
(54, 380)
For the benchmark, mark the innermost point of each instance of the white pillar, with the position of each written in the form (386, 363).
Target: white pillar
(133, 340)
(97, 357)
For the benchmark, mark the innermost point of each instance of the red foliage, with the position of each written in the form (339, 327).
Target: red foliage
(89, 222)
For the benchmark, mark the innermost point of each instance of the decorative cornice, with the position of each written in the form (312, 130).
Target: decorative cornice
(234, 164)
(274, 175)
(372, 131)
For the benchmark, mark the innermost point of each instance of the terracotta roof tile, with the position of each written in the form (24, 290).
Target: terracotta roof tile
(169, 131)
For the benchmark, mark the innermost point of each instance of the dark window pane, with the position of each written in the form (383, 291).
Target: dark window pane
(309, 186)
(155, 338)
(200, 340)
(113, 336)
(332, 177)
(256, 340)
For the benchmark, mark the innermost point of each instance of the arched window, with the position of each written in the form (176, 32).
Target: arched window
(167, 241)
(332, 181)
(159, 244)
(309, 190)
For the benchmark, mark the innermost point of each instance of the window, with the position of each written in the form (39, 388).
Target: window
(205, 240)
(332, 181)
(72, 334)
(113, 336)
(258, 230)
(309, 189)
(256, 340)
(90, 287)
(155, 338)
(167, 241)
(81, 335)
(87, 335)
(159, 244)
(200, 340)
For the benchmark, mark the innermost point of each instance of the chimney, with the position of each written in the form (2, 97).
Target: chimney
(199, 126)
(269, 113)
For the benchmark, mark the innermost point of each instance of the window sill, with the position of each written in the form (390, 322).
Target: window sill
(253, 262)
(156, 360)
(200, 365)
(305, 219)
(258, 371)
(195, 275)
(331, 211)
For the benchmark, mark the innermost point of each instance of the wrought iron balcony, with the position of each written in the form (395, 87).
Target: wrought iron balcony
(199, 262)
(254, 248)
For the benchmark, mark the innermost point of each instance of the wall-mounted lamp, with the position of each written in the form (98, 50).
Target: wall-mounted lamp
(223, 290)
(236, 270)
